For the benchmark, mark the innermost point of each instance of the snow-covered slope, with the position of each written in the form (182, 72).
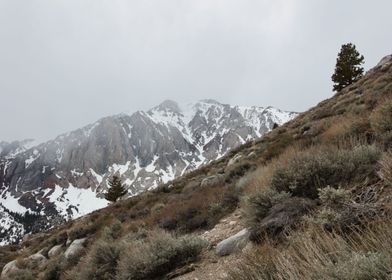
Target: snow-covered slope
(65, 178)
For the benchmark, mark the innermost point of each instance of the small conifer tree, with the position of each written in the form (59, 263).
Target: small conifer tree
(348, 67)
(116, 189)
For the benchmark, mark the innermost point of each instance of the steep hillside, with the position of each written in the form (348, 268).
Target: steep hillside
(64, 178)
(310, 200)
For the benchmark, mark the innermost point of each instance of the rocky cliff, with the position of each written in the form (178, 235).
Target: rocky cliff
(65, 178)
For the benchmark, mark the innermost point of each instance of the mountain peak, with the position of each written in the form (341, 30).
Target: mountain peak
(210, 101)
(168, 105)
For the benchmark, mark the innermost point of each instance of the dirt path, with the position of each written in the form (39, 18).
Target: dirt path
(211, 266)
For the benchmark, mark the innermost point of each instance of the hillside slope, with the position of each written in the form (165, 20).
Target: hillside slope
(313, 197)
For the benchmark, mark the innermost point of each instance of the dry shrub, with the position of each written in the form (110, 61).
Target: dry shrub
(157, 254)
(256, 180)
(381, 119)
(318, 254)
(81, 230)
(112, 232)
(138, 255)
(258, 205)
(345, 128)
(100, 263)
(340, 211)
(307, 171)
(386, 168)
(239, 169)
(339, 127)
(21, 275)
(200, 209)
(331, 197)
(52, 269)
(277, 146)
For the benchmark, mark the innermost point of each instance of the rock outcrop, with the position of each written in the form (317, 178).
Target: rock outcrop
(55, 251)
(232, 244)
(75, 248)
(35, 260)
(9, 268)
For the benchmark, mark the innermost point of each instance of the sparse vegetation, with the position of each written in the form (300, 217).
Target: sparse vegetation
(322, 179)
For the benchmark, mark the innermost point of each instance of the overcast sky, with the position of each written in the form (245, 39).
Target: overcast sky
(64, 64)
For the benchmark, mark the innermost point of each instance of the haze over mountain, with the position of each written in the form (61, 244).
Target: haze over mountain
(64, 65)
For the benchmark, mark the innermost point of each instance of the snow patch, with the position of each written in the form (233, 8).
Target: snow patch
(97, 176)
(85, 201)
(35, 155)
(11, 203)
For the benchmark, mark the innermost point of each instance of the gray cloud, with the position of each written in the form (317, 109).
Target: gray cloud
(66, 63)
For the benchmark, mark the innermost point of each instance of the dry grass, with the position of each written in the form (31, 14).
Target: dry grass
(361, 254)
(381, 122)
(199, 210)
(386, 168)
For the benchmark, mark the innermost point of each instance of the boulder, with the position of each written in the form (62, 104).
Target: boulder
(252, 154)
(8, 269)
(35, 260)
(31, 262)
(75, 248)
(55, 251)
(383, 65)
(234, 159)
(210, 180)
(233, 243)
(385, 60)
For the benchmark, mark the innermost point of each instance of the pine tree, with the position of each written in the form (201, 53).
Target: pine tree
(348, 67)
(116, 189)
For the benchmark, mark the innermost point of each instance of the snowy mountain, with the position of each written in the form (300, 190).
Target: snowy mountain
(65, 178)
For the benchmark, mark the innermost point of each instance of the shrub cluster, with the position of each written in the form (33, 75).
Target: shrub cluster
(101, 262)
(258, 205)
(308, 171)
(156, 255)
(139, 255)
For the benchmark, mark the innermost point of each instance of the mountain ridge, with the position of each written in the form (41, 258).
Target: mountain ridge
(66, 177)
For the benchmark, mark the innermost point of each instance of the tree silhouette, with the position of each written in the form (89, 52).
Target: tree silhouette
(348, 67)
(116, 189)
